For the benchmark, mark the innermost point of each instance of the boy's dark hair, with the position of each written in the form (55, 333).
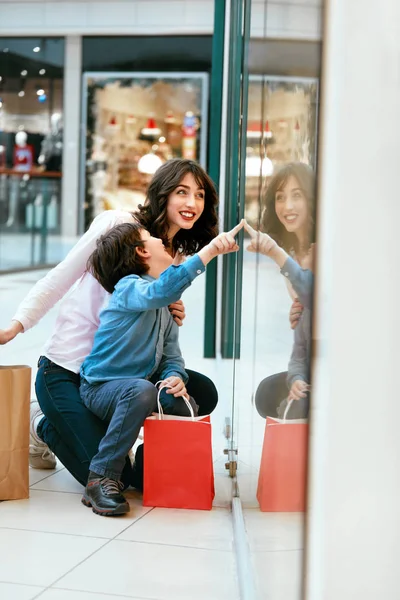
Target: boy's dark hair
(116, 257)
(153, 214)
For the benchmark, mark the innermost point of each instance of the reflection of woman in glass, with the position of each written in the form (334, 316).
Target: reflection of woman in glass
(181, 210)
(289, 219)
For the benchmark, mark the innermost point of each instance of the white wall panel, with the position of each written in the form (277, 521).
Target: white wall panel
(57, 17)
(354, 517)
(288, 19)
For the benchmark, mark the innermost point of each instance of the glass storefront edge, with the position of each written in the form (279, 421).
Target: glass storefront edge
(276, 138)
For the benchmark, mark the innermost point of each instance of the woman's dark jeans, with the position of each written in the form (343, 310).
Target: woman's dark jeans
(73, 433)
(271, 399)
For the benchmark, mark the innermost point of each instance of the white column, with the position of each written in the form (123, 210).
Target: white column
(71, 156)
(354, 493)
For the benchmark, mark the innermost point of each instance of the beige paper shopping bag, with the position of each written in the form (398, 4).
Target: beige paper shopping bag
(15, 392)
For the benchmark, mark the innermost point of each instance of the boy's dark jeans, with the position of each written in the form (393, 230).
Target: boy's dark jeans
(271, 399)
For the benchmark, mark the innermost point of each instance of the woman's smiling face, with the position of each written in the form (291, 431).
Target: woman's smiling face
(291, 206)
(185, 205)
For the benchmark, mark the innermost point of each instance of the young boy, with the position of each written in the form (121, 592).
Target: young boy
(135, 345)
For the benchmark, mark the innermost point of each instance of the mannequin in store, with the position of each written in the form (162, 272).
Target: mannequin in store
(22, 162)
(23, 153)
(52, 145)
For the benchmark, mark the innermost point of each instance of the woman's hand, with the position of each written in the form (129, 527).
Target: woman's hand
(6, 335)
(298, 390)
(175, 386)
(177, 310)
(264, 244)
(260, 242)
(296, 311)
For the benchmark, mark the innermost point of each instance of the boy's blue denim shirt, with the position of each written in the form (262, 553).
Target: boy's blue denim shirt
(137, 335)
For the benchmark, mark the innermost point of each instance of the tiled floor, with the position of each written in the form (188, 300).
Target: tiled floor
(54, 548)
(53, 541)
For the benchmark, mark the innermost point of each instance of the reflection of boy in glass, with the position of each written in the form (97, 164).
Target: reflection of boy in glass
(289, 222)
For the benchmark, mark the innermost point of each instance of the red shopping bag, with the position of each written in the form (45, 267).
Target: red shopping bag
(178, 464)
(283, 471)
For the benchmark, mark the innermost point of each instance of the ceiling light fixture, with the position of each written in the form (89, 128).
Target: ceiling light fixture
(40, 92)
(24, 73)
(36, 49)
(255, 167)
(42, 71)
(149, 163)
(21, 94)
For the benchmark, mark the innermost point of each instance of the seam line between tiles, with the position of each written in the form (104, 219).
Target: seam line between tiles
(22, 584)
(93, 537)
(45, 477)
(175, 545)
(100, 594)
(35, 489)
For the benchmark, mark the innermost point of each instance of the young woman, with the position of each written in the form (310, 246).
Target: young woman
(180, 209)
(289, 219)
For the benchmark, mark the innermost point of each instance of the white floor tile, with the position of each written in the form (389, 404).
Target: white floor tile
(196, 528)
(59, 512)
(35, 558)
(53, 594)
(270, 532)
(278, 575)
(13, 591)
(156, 571)
(36, 475)
(60, 481)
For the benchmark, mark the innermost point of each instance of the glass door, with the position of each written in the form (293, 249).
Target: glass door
(272, 314)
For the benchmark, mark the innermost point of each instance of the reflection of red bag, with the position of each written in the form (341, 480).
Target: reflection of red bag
(178, 465)
(283, 470)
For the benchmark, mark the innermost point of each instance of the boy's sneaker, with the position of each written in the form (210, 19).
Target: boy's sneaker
(40, 455)
(104, 496)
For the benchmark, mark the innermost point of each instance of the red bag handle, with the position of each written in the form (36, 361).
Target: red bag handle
(160, 410)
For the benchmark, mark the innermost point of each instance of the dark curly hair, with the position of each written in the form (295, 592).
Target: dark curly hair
(153, 214)
(115, 256)
(270, 222)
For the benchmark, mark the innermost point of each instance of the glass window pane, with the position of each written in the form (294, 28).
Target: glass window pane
(31, 146)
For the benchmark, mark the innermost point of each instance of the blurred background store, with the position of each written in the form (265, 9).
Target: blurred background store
(98, 110)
